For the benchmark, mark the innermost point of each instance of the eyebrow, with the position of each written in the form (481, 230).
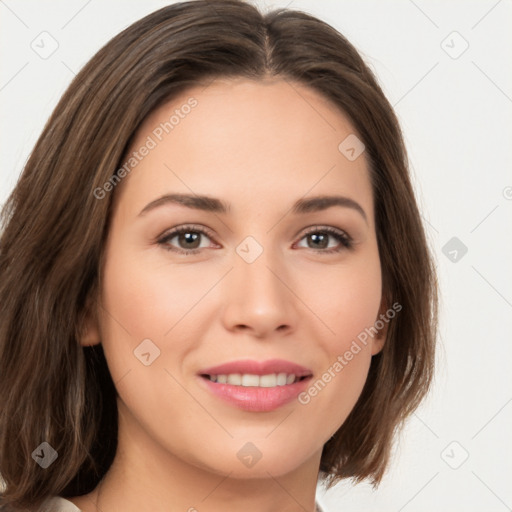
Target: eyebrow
(212, 204)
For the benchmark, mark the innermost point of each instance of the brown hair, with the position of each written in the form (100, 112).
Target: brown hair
(51, 388)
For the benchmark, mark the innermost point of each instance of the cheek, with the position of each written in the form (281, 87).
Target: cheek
(347, 299)
(135, 307)
(143, 301)
(145, 298)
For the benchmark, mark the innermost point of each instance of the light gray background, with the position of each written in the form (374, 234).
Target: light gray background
(455, 111)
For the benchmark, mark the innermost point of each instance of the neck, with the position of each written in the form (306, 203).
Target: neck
(144, 476)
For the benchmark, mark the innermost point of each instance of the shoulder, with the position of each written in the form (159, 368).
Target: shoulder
(319, 508)
(51, 504)
(58, 504)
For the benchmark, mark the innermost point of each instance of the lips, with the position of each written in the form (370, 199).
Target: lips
(256, 386)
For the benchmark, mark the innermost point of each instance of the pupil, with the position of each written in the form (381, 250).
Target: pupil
(190, 238)
(317, 237)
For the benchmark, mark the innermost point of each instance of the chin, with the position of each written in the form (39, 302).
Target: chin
(257, 460)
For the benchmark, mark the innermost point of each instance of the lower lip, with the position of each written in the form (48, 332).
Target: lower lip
(256, 399)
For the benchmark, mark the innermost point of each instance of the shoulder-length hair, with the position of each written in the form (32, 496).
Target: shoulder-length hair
(54, 390)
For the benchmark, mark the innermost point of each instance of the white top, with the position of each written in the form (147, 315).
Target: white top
(58, 504)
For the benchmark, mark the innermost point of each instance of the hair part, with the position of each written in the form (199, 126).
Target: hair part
(54, 231)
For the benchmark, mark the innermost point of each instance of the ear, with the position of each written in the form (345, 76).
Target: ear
(382, 323)
(89, 329)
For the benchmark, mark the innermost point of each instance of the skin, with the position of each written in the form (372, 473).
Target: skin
(259, 145)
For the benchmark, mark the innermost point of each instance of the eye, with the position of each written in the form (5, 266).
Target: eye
(188, 237)
(319, 236)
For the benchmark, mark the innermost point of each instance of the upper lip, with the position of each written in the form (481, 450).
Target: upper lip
(248, 366)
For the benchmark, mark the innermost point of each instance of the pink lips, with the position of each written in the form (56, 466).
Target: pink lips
(252, 398)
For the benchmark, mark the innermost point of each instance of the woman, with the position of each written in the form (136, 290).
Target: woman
(285, 344)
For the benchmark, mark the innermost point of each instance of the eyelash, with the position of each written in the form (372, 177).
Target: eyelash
(345, 240)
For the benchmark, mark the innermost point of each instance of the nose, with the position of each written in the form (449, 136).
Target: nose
(259, 298)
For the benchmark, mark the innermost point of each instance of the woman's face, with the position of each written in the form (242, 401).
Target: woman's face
(257, 282)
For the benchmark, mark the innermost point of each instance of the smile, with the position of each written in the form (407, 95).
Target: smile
(270, 380)
(256, 386)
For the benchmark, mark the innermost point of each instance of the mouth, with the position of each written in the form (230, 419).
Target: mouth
(256, 386)
(270, 380)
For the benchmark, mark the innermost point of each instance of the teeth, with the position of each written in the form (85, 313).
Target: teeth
(281, 379)
(235, 379)
(268, 381)
(249, 380)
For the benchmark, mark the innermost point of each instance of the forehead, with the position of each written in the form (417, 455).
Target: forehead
(275, 139)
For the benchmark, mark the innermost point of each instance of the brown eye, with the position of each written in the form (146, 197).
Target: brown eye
(318, 240)
(187, 240)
